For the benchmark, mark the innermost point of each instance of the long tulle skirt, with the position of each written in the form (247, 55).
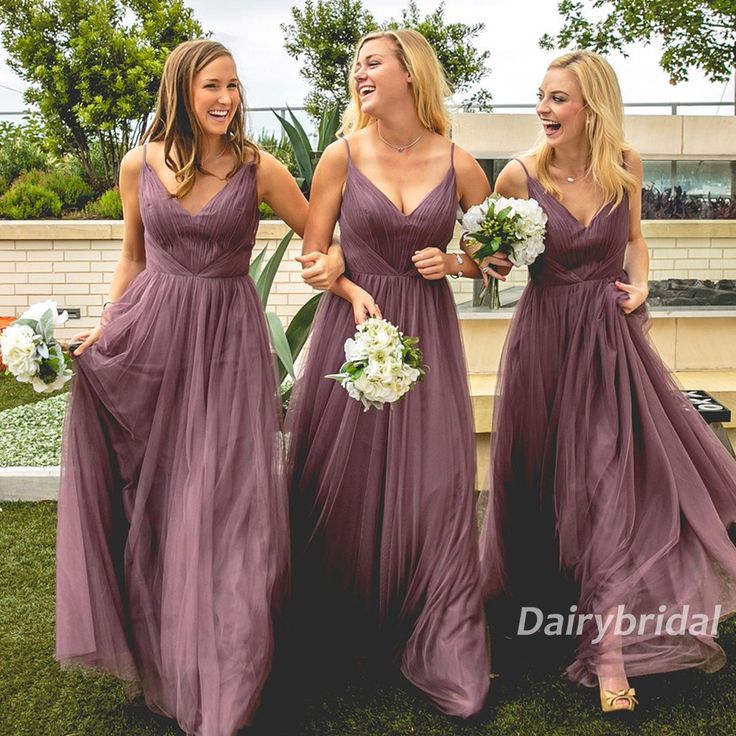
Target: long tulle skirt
(605, 477)
(173, 519)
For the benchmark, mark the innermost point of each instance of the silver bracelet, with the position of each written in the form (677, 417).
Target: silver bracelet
(460, 262)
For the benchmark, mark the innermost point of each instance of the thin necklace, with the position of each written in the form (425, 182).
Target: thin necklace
(219, 155)
(572, 179)
(400, 149)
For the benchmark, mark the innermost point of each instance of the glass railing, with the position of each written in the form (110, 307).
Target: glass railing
(675, 190)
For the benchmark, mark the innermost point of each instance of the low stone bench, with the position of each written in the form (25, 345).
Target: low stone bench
(718, 385)
(715, 413)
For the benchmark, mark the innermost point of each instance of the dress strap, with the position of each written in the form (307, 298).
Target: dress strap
(145, 148)
(452, 155)
(347, 145)
(526, 171)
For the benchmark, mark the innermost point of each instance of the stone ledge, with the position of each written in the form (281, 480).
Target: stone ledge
(100, 230)
(720, 384)
(276, 229)
(29, 484)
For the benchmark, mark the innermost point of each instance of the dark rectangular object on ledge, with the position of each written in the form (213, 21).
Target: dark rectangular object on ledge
(708, 408)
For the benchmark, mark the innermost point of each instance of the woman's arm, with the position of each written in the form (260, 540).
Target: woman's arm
(133, 254)
(277, 188)
(324, 209)
(472, 188)
(636, 258)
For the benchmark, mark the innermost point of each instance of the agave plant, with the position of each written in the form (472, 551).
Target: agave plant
(287, 343)
(306, 157)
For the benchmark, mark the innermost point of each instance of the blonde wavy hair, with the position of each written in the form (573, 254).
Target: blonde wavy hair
(177, 126)
(604, 127)
(429, 85)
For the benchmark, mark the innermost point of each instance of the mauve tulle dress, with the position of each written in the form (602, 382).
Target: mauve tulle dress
(173, 542)
(384, 541)
(603, 475)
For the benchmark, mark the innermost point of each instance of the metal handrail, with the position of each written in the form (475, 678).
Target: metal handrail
(283, 109)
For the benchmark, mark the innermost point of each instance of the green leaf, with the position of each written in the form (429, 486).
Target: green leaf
(256, 264)
(300, 325)
(302, 154)
(328, 126)
(280, 343)
(305, 142)
(265, 279)
(46, 325)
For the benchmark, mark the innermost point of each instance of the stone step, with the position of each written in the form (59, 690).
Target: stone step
(687, 340)
(720, 384)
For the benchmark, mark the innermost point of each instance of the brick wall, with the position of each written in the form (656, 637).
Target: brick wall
(72, 262)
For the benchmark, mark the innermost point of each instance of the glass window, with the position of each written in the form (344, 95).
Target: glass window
(675, 190)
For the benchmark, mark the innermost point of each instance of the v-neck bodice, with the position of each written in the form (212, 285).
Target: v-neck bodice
(214, 242)
(573, 252)
(378, 238)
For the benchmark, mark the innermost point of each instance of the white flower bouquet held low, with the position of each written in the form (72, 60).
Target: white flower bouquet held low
(512, 226)
(30, 352)
(381, 364)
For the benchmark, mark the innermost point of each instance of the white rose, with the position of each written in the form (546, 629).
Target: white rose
(18, 350)
(473, 219)
(355, 350)
(36, 311)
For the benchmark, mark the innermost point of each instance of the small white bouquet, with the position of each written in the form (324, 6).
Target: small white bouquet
(513, 226)
(30, 352)
(381, 364)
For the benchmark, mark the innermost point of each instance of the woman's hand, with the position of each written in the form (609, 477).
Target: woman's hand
(88, 338)
(364, 306)
(636, 296)
(320, 270)
(496, 266)
(432, 263)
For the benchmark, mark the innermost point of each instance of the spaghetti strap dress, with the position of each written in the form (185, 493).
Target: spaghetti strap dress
(384, 534)
(604, 477)
(173, 541)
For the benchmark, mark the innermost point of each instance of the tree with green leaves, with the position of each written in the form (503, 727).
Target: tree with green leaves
(323, 33)
(93, 68)
(698, 34)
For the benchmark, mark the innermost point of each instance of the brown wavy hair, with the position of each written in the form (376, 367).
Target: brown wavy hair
(175, 123)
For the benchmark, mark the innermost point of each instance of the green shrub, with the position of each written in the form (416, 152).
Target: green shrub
(266, 213)
(28, 201)
(4, 184)
(34, 176)
(71, 188)
(19, 154)
(107, 206)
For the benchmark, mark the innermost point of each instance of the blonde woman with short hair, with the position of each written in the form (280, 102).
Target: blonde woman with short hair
(385, 546)
(610, 496)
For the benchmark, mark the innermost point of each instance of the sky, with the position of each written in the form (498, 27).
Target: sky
(251, 29)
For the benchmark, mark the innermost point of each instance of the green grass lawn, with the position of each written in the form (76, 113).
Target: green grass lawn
(38, 699)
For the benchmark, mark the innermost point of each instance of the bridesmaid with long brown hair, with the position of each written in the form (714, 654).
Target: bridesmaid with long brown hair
(173, 543)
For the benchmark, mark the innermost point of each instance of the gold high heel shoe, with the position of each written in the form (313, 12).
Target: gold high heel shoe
(609, 698)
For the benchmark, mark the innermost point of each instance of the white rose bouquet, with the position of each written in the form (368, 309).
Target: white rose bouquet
(30, 352)
(513, 226)
(381, 364)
